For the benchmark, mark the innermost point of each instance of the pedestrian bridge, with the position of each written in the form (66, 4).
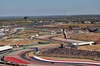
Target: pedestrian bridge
(84, 43)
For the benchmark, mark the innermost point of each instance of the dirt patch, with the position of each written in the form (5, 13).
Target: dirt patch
(88, 37)
(90, 47)
(67, 25)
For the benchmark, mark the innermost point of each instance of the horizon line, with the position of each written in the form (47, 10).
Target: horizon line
(46, 15)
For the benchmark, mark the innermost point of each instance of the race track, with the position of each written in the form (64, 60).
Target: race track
(21, 57)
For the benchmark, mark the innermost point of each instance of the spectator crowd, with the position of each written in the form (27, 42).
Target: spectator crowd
(71, 53)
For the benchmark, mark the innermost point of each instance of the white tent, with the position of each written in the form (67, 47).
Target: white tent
(5, 48)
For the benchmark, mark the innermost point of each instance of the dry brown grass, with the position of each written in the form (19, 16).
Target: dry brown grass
(50, 26)
(90, 47)
(4, 42)
(20, 41)
(15, 41)
(88, 37)
(20, 38)
(67, 25)
(80, 25)
(29, 31)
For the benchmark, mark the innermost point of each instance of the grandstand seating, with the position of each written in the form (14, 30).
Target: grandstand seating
(94, 28)
(66, 52)
(4, 49)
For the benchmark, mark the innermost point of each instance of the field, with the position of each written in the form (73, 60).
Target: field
(67, 25)
(90, 47)
(21, 38)
(93, 36)
(88, 37)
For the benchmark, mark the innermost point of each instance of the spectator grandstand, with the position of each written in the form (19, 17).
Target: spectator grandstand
(94, 28)
(4, 49)
(75, 53)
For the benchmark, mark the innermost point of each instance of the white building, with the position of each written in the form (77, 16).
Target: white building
(87, 22)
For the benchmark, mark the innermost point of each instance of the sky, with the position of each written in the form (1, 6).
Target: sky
(49, 7)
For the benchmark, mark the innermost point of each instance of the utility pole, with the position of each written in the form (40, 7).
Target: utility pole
(65, 16)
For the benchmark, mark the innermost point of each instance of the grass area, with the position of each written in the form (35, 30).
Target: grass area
(14, 37)
(39, 45)
(29, 31)
(67, 25)
(88, 37)
(90, 47)
(25, 35)
(44, 33)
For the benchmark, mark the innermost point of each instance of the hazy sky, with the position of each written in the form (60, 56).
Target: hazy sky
(48, 7)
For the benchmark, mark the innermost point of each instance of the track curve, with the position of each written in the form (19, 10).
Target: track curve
(46, 61)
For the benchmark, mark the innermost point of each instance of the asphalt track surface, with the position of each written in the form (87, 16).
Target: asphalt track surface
(8, 35)
(36, 62)
(21, 58)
